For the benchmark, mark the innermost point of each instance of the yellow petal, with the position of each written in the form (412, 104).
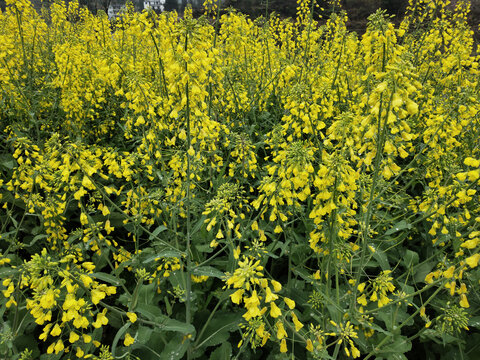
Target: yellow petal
(290, 303)
(132, 316)
(129, 340)
(274, 310)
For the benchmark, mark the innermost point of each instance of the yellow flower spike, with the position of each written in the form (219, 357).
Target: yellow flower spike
(129, 340)
(464, 301)
(290, 303)
(283, 346)
(274, 310)
(132, 316)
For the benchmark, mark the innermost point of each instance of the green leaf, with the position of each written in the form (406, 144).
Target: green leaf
(149, 311)
(400, 345)
(7, 161)
(175, 349)
(410, 258)
(208, 271)
(108, 278)
(223, 352)
(381, 258)
(401, 225)
(218, 329)
(170, 253)
(422, 270)
(157, 231)
(474, 322)
(164, 323)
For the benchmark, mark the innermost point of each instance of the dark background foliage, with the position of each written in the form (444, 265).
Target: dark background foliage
(357, 10)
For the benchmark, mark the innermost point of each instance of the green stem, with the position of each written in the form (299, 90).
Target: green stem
(188, 315)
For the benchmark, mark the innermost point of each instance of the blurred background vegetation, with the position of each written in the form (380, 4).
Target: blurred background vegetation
(357, 10)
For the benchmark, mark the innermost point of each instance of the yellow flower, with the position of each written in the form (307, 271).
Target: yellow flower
(290, 303)
(362, 300)
(236, 252)
(449, 272)
(236, 297)
(309, 345)
(464, 301)
(296, 322)
(56, 330)
(86, 280)
(270, 296)
(86, 338)
(73, 337)
(132, 316)
(101, 319)
(59, 346)
(276, 285)
(274, 310)
(473, 260)
(129, 340)
(283, 346)
(97, 296)
(361, 287)
(107, 227)
(281, 333)
(83, 219)
(47, 300)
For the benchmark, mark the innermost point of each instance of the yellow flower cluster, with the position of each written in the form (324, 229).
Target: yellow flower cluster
(307, 172)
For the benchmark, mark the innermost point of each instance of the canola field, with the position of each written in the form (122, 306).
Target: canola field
(235, 188)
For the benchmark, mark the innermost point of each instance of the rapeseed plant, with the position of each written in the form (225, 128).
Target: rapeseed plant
(170, 187)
